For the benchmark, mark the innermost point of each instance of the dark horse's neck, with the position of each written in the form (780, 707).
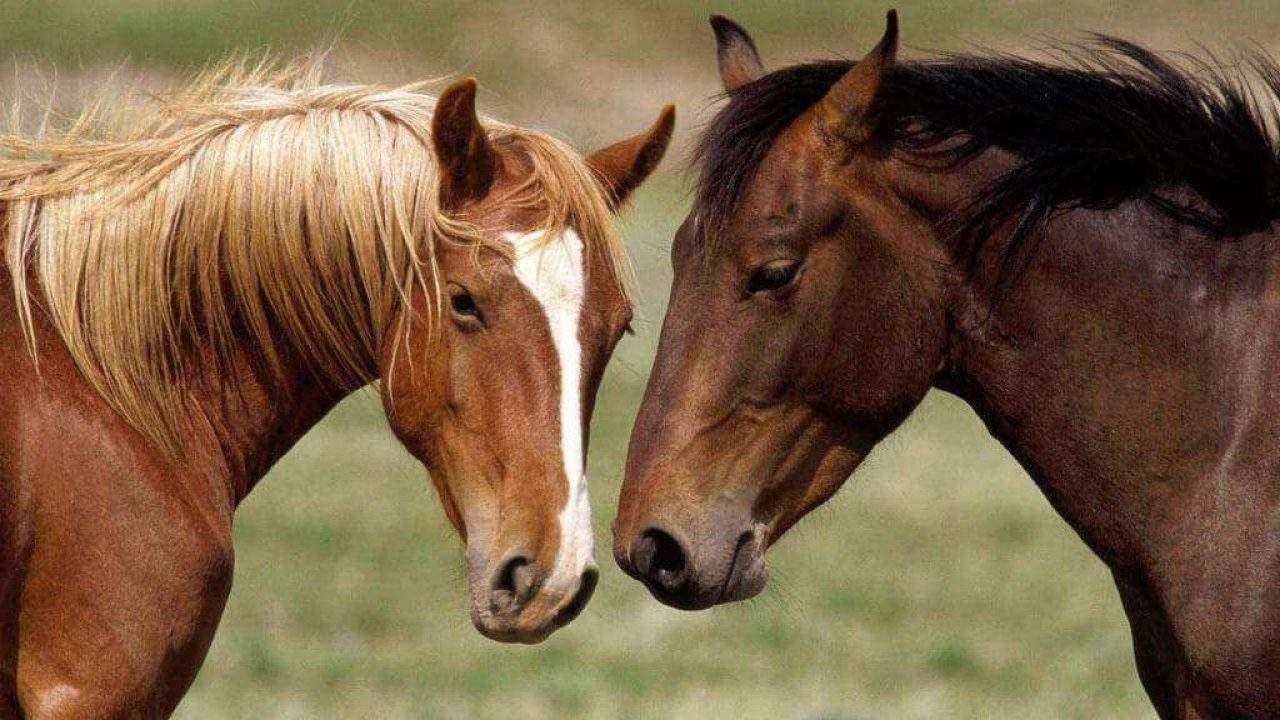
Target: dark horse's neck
(1132, 370)
(1127, 366)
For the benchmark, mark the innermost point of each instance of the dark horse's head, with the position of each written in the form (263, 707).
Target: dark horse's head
(805, 323)
(857, 235)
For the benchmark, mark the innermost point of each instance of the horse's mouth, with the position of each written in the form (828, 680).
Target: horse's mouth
(746, 575)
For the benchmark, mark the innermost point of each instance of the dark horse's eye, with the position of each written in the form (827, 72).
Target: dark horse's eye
(464, 304)
(773, 276)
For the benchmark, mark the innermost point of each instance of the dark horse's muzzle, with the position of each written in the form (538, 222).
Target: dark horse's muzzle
(693, 570)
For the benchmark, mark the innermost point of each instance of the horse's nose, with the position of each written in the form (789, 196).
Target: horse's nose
(512, 584)
(660, 560)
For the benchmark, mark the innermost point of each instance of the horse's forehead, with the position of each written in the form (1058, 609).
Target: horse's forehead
(787, 172)
(793, 183)
(551, 267)
(564, 271)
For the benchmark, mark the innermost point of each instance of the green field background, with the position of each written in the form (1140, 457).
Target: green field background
(937, 584)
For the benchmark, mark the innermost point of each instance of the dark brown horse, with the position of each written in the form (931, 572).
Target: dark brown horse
(1084, 252)
(186, 296)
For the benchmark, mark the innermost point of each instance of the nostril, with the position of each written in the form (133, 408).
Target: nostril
(669, 556)
(642, 552)
(512, 583)
(660, 558)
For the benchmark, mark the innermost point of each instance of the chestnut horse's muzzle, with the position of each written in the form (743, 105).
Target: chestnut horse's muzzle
(517, 600)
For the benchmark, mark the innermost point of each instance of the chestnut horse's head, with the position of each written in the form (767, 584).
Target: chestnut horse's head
(805, 322)
(495, 397)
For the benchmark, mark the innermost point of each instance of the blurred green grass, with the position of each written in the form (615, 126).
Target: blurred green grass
(938, 583)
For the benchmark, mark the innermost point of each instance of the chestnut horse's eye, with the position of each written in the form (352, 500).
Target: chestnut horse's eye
(464, 305)
(773, 276)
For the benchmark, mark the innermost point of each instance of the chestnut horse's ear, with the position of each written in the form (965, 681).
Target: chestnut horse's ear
(467, 160)
(622, 166)
(736, 54)
(848, 111)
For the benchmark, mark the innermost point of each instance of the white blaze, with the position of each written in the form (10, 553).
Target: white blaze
(552, 271)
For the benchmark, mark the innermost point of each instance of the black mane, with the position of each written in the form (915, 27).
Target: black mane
(1114, 123)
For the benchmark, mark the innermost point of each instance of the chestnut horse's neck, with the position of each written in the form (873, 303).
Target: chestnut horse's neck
(242, 417)
(1130, 368)
(251, 421)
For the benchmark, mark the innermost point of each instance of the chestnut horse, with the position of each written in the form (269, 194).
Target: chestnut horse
(1084, 252)
(192, 291)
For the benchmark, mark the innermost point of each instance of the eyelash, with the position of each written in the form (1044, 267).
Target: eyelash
(772, 276)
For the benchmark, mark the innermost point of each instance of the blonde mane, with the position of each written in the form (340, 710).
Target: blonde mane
(257, 206)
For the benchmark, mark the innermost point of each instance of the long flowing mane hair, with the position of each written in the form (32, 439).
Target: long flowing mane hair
(256, 206)
(1111, 122)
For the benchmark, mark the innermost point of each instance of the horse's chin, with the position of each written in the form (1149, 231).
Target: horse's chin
(528, 627)
(505, 631)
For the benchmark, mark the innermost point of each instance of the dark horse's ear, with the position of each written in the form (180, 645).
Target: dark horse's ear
(849, 110)
(466, 158)
(622, 166)
(736, 54)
